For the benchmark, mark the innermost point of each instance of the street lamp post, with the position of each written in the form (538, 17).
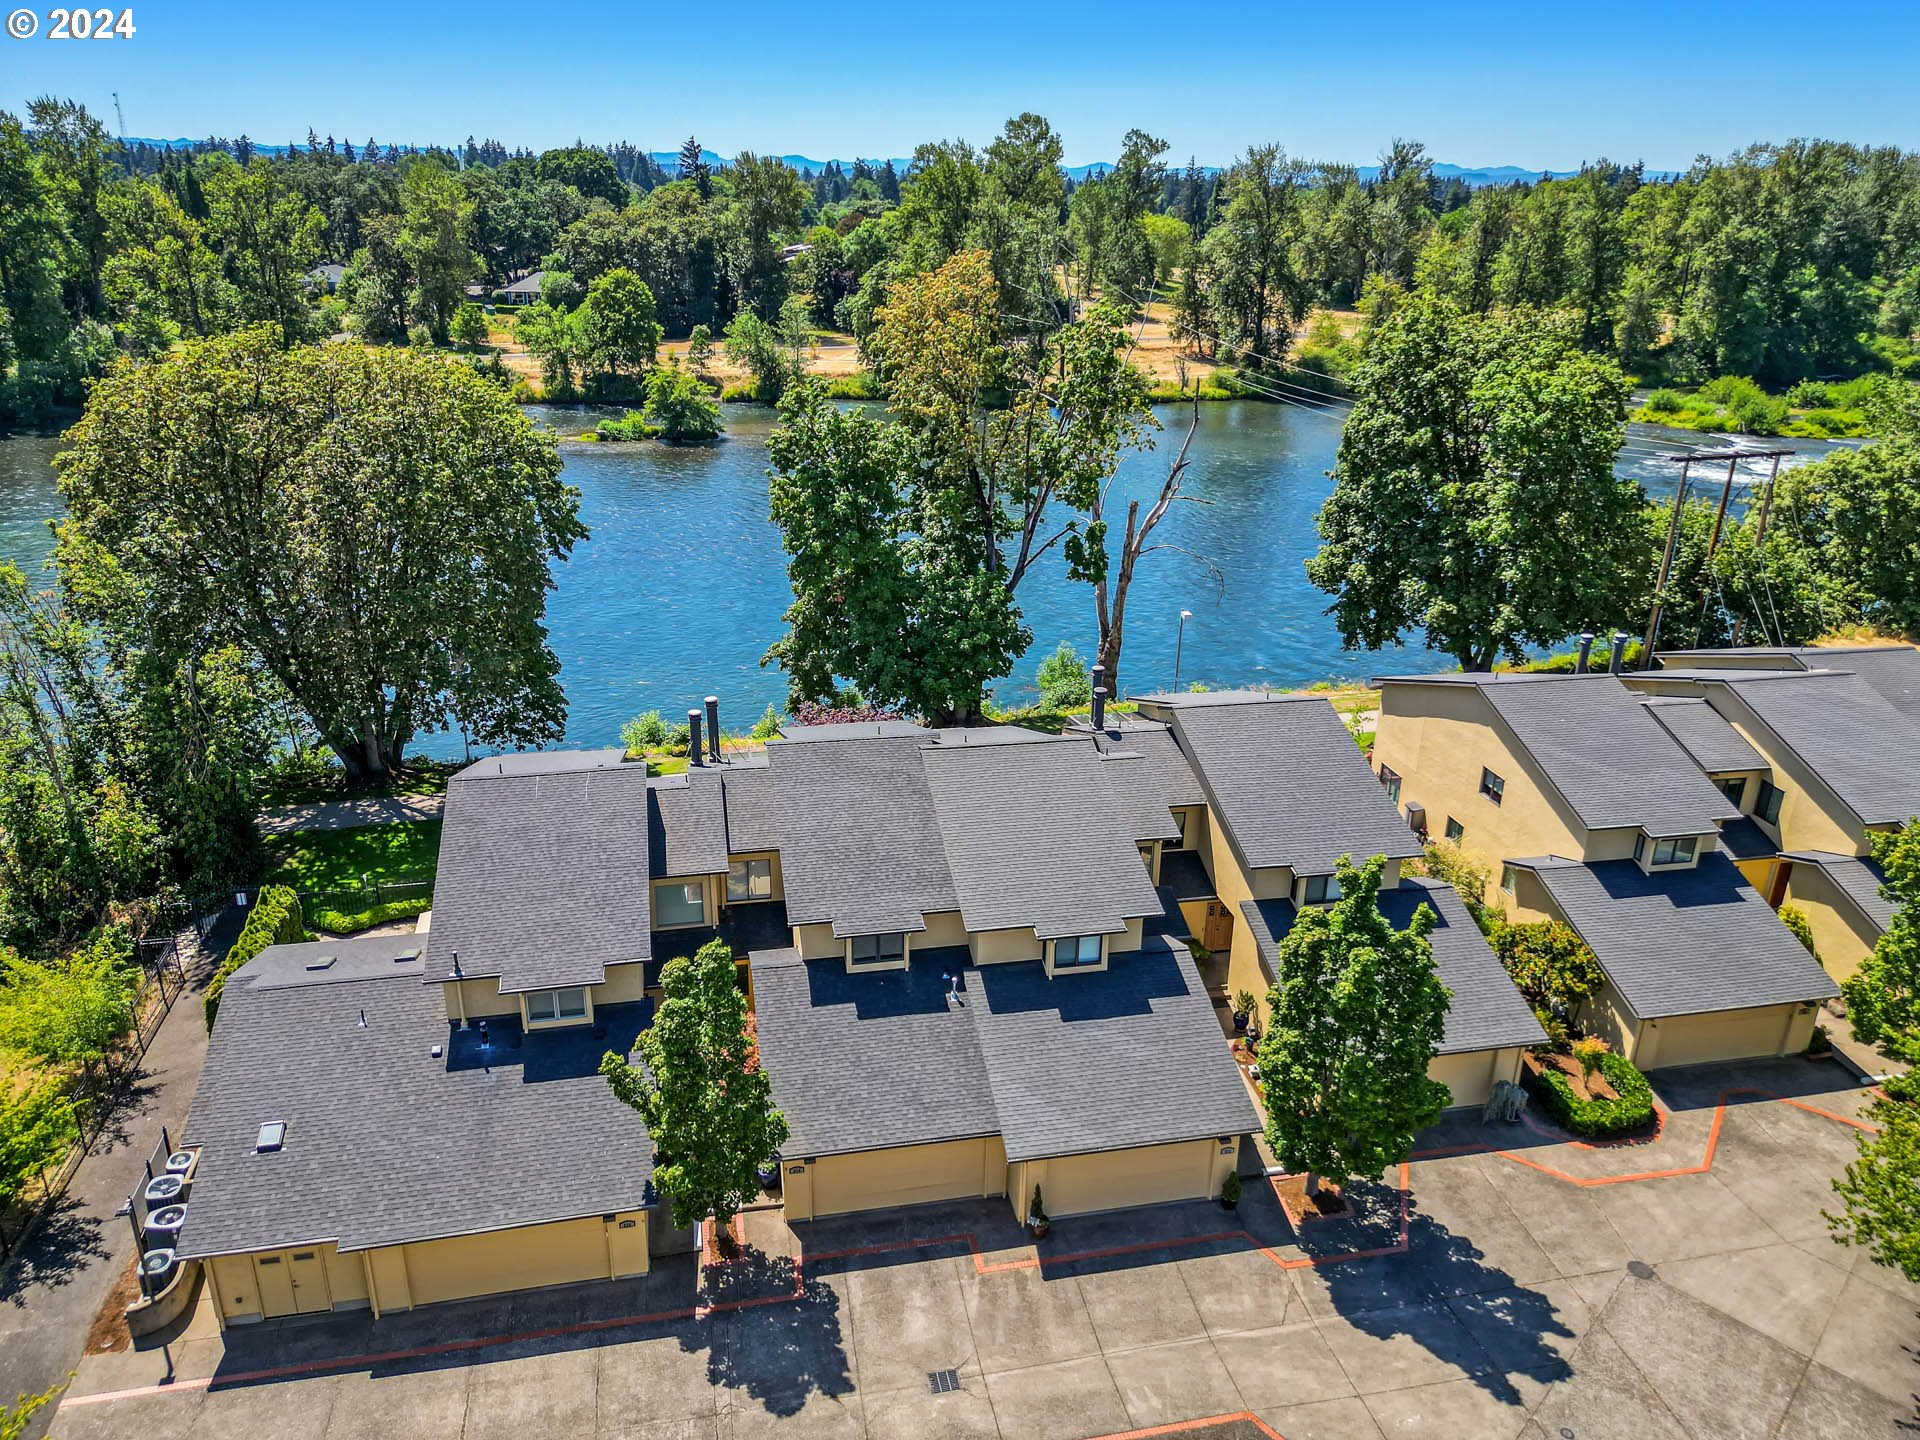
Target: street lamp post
(1179, 639)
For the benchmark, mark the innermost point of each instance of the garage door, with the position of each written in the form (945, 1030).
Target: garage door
(522, 1259)
(907, 1175)
(1116, 1178)
(1469, 1077)
(1729, 1035)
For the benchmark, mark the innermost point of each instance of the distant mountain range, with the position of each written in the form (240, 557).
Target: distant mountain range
(1475, 175)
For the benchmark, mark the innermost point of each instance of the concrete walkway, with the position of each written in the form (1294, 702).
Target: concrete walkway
(349, 814)
(55, 1285)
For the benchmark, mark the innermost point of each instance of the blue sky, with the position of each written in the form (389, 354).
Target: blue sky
(1542, 85)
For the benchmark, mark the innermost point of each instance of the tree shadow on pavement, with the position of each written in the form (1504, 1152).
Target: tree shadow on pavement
(778, 1337)
(63, 1245)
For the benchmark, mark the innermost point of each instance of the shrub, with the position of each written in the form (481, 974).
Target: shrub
(69, 1012)
(646, 731)
(1243, 1002)
(1589, 1050)
(469, 327)
(352, 922)
(274, 920)
(1596, 1117)
(1037, 1211)
(631, 426)
(679, 408)
(767, 726)
(420, 337)
(1666, 402)
(1064, 684)
(1447, 862)
(1549, 963)
(700, 347)
(1230, 1189)
(1795, 919)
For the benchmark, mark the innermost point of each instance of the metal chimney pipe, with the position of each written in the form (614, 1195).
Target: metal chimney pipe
(1586, 651)
(1099, 706)
(693, 738)
(1619, 652)
(713, 727)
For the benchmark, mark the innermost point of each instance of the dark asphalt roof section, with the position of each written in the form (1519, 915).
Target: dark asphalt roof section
(334, 962)
(687, 824)
(869, 1061)
(1486, 1011)
(1132, 1055)
(1683, 942)
(1859, 879)
(1033, 838)
(859, 845)
(541, 762)
(386, 1143)
(1284, 776)
(1132, 735)
(1600, 750)
(1185, 874)
(1893, 670)
(1743, 839)
(1849, 734)
(1704, 734)
(750, 816)
(1137, 796)
(540, 877)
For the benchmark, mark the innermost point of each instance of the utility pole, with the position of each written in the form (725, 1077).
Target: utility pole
(1666, 563)
(1759, 535)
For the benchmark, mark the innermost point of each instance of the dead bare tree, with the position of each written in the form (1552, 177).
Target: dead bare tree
(1110, 590)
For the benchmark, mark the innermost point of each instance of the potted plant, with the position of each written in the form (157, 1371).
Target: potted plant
(1230, 1191)
(1820, 1046)
(1243, 1003)
(767, 1173)
(1037, 1222)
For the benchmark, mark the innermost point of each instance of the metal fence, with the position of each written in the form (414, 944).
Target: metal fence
(359, 902)
(163, 976)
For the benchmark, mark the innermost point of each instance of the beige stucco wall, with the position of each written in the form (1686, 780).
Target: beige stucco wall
(471, 999)
(818, 942)
(1842, 936)
(1113, 1179)
(1471, 1076)
(1438, 738)
(996, 947)
(944, 928)
(624, 984)
(902, 1175)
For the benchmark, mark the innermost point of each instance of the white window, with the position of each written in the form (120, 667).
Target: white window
(750, 880)
(679, 902)
(1492, 786)
(1319, 889)
(1674, 852)
(546, 1006)
(1390, 778)
(1508, 878)
(1076, 950)
(878, 949)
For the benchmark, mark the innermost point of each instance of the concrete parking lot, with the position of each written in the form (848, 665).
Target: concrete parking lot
(1520, 1286)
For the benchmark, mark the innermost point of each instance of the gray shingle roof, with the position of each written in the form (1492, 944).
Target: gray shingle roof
(1285, 777)
(750, 817)
(1033, 837)
(386, 1143)
(1859, 880)
(1743, 839)
(1608, 758)
(1683, 942)
(1849, 734)
(542, 762)
(1486, 1012)
(539, 878)
(861, 1062)
(859, 845)
(1893, 670)
(1704, 734)
(1150, 775)
(1132, 1055)
(687, 824)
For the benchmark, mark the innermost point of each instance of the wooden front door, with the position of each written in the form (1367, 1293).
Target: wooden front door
(308, 1274)
(1217, 935)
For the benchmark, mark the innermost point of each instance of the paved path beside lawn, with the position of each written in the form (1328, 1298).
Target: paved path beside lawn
(56, 1284)
(1679, 1289)
(349, 814)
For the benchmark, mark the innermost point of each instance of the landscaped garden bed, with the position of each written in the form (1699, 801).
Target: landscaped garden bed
(1329, 1202)
(1613, 1099)
(352, 880)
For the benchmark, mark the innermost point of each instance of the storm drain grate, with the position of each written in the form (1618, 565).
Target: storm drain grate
(940, 1382)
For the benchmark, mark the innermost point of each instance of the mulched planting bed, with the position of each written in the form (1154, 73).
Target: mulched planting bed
(1594, 1087)
(1329, 1204)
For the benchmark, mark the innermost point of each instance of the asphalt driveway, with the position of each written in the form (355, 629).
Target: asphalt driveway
(1523, 1286)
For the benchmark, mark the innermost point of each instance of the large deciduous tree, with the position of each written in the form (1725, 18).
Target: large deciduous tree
(373, 527)
(910, 536)
(1883, 995)
(1474, 494)
(1880, 1193)
(707, 1103)
(1856, 508)
(619, 328)
(1357, 1015)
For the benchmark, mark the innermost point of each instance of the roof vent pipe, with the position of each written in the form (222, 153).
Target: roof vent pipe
(1586, 650)
(1619, 652)
(713, 727)
(693, 738)
(1099, 706)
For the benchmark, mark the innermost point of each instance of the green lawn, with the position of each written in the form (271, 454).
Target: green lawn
(342, 859)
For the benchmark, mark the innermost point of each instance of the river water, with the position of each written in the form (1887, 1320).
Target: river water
(681, 587)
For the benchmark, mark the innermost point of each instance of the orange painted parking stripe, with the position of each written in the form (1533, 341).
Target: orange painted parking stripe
(1183, 1427)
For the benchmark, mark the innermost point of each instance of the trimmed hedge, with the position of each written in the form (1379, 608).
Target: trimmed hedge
(1633, 1108)
(352, 922)
(274, 920)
